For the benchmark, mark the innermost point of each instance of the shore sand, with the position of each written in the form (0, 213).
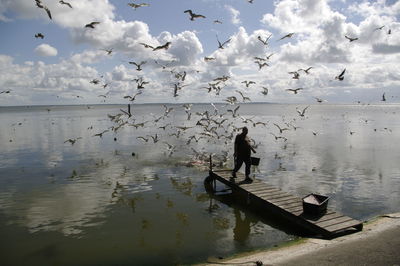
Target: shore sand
(377, 244)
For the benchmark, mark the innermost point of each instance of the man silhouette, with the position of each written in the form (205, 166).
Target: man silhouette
(242, 153)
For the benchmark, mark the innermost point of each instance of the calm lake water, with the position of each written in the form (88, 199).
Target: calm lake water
(93, 202)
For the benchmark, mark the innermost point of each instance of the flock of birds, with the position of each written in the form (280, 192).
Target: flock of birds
(210, 125)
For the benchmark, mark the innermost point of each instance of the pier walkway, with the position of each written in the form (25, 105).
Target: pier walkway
(290, 207)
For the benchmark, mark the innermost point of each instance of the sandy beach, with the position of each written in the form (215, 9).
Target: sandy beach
(377, 244)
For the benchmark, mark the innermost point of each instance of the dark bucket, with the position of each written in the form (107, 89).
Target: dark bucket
(255, 161)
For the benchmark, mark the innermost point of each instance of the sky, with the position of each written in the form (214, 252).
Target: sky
(61, 67)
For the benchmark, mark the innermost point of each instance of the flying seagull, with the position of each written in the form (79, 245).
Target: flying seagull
(265, 42)
(221, 45)
(39, 35)
(341, 75)
(289, 35)
(65, 3)
(302, 112)
(264, 91)
(138, 65)
(193, 15)
(164, 46)
(39, 4)
(135, 6)
(295, 90)
(350, 39)
(92, 24)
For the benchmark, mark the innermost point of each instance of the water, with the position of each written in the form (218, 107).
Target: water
(94, 203)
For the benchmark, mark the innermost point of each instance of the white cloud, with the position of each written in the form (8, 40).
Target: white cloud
(234, 13)
(45, 50)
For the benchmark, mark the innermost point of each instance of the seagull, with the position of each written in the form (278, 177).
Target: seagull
(6, 91)
(217, 21)
(383, 97)
(379, 28)
(261, 65)
(135, 6)
(92, 24)
(221, 45)
(269, 56)
(306, 70)
(295, 74)
(100, 134)
(39, 4)
(164, 46)
(72, 141)
(167, 110)
(281, 129)
(146, 45)
(318, 99)
(244, 98)
(264, 91)
(65, 3)
(278, 137)
(140, 82)
(234, 111)
(295, 90)
(39, 35)
(138, 65)
(95, 81)
(302, 113)
(209, 58)
(341, 75)
(143, 138)
(155, 138)
(265, 42)
(109, 51)
(289, 35)
(132, 98)
(350, 39)
(231, 100)
(193, 15)
(248, 83)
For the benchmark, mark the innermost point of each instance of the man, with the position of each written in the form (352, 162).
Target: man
(242, 153)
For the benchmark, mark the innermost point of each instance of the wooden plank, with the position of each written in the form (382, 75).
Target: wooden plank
(261, 190)
(269, 192)
(290, 205)
(326, 217)
(331, 222)
(288, 198)
(274, 196)
(342, 226)
(256, 187)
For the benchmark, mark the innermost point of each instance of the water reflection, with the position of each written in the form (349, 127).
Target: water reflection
(152, 205)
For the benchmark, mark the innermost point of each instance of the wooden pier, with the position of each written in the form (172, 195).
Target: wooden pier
(290, 207)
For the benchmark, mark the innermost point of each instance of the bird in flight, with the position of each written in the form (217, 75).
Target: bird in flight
(217, 21)
(341, 75)
(164, 46)
(39, 4)
(248, 83)
(6, 91)
(383, 97)
(135, 6)
(265, 42)
(379, 28)
(72, 141)
(92, 24)
(221, 45)
(302, 112)
(132, 98)
(108, 51)
(295, 74)
(193, 15)
(350, 39)
(289, 35)
(65, 3)
(261, 65)
(295, 90)
(264, 91)
(306, 70)
(244, 98)
(39, 35)
(138, 65)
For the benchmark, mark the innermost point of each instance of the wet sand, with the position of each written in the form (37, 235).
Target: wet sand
(377, 244)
